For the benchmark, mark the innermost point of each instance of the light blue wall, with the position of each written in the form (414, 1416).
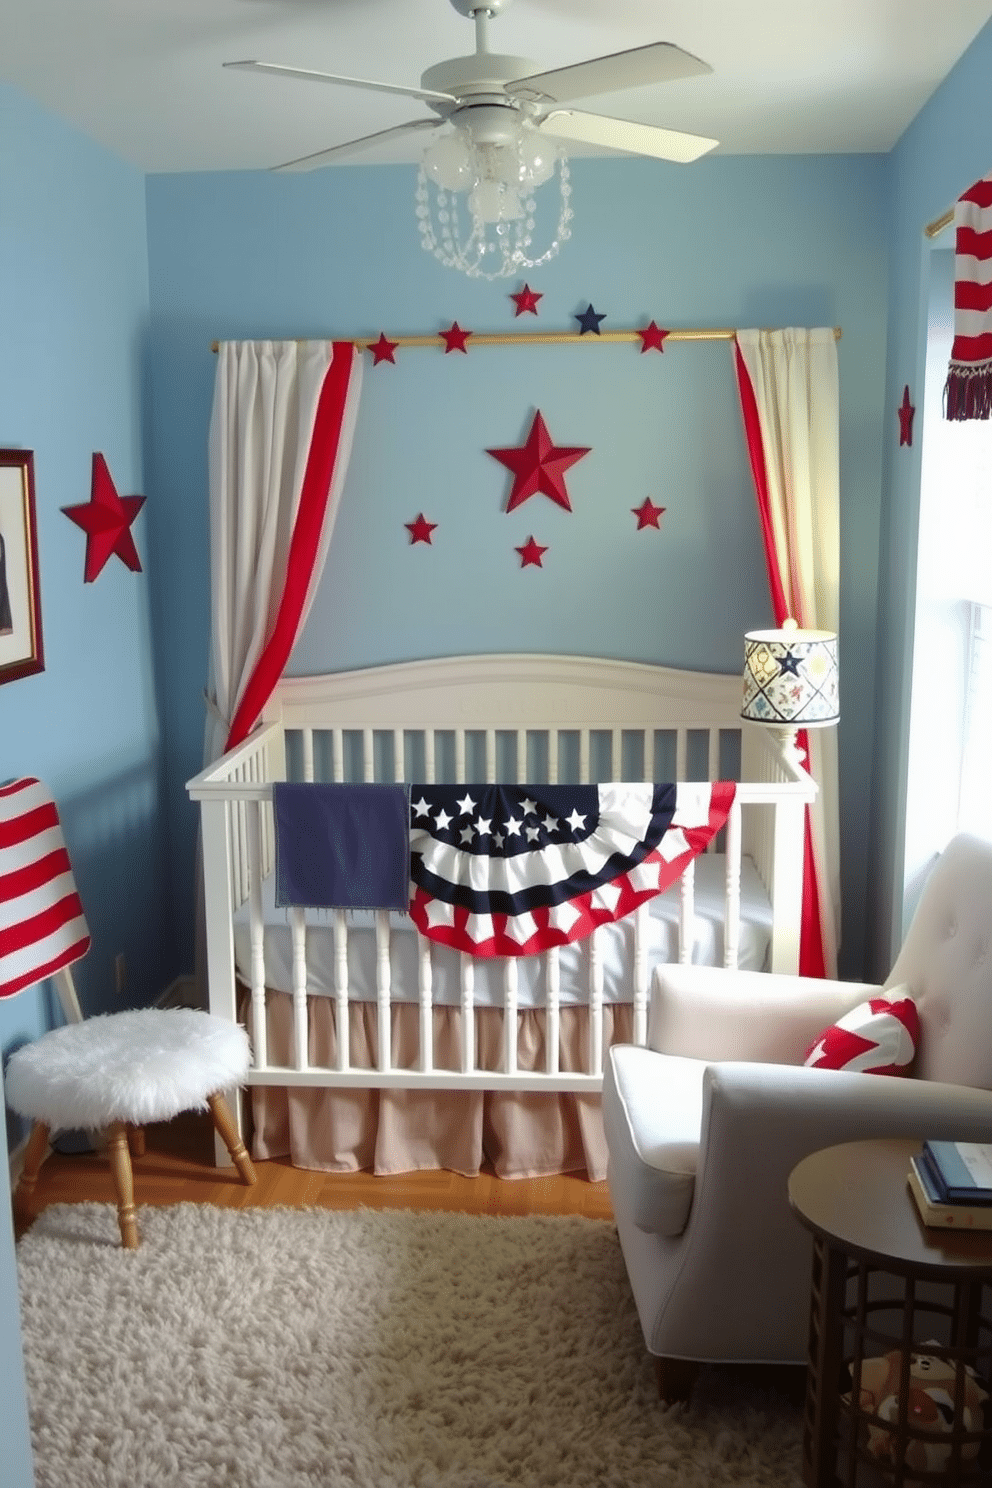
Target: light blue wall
(947, 147)
(73, 308)
(772, 241)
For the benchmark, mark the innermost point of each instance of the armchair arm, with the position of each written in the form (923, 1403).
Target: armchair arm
(708, 1012)
(744, 1258)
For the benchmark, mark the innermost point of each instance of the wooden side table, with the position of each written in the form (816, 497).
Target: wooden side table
(883, 1283)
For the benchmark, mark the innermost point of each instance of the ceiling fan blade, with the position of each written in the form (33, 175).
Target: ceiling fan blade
(658, 63)
(356, 146)
(623, 134)
(309, 75)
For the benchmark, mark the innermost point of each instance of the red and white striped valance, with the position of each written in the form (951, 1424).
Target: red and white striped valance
(968, 390)
(42, 925)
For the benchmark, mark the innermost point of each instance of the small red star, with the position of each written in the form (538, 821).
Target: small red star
(382, 350)
(455, 339)
(647, 514)
(538, 465)
(106, 519)
(421, 529)
(906, 411)
(526, 299)
(652, 337)
(530, 554)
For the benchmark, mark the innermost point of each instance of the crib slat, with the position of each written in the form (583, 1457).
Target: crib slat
(687, 913)
(521, 761)
(383, 983)
(298, 933)
(584, 756)
(490, 756)
(343, 1032)
(459, 756)
(307, 754)
(368, 755)
(429, 756)
(510, 994)
(641, 975)
(337, 755)
(468, 1012)
(732, 897)
(616, 754)
(552, 756)
(594, 1065)
(399, 763)
(713, 758)
(552, 1050)
(256, 932)
(425, 988)
(681, 753)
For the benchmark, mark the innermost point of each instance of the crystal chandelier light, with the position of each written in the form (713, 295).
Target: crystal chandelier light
(476, 194)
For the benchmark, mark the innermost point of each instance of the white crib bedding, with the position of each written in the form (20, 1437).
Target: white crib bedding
(615, 944)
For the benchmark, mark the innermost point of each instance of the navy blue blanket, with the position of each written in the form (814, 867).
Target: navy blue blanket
(342, 846)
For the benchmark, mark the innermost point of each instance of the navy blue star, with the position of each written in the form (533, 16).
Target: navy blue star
(589, 321)
(789, 663)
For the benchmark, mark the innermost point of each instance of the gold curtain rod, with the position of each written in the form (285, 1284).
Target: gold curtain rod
(532, 338)
(939, 223)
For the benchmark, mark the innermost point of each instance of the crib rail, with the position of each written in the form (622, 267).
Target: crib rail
(235, 798)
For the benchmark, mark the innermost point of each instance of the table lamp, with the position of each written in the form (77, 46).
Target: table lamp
(790, 680)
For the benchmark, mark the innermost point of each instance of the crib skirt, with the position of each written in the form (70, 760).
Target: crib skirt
(521, 1134)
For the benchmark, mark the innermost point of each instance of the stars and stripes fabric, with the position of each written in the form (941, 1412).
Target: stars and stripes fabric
(502, 870)
(968, 389)
(42, 925)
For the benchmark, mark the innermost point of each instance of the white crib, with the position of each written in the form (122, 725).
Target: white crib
(490, 718)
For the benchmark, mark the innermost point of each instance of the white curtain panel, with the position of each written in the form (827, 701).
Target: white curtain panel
(265, 402)
(794, 375)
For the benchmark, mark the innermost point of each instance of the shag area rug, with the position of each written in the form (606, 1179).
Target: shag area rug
(382, 1349)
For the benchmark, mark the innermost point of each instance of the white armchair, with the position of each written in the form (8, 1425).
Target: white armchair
(704, 1126)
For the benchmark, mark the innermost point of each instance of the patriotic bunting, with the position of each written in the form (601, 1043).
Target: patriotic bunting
(42, 925)
(513, 870)
(968, 390)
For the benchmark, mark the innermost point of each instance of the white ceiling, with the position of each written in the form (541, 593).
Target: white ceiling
(144, 77)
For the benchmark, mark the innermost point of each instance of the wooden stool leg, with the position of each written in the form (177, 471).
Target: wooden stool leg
(120, 1167)
(136, 1140)
(224, 1122)
(34, 1155)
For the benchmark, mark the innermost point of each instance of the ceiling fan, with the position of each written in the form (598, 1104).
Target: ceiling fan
(488, 95)
(500, 125)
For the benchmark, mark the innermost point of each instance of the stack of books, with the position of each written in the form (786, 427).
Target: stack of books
(952, 1184)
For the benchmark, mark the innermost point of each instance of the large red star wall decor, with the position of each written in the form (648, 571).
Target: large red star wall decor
(106, 519)
(538, 465)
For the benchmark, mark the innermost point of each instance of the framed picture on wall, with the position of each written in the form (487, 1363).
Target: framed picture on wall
(21, 650)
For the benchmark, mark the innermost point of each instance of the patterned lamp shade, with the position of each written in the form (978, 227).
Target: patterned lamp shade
(790, 677)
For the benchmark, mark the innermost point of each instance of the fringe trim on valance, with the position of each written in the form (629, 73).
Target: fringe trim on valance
(968, 392)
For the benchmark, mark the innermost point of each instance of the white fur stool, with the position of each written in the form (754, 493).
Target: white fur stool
(119, 1071)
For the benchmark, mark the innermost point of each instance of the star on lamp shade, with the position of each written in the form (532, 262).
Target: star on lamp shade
(106, 519)
(538, 465)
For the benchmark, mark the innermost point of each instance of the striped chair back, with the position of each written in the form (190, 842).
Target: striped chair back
(42, 926)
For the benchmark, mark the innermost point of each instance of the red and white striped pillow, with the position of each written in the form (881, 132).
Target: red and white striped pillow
(878, 1037)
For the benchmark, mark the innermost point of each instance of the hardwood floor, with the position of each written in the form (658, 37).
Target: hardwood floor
(178, 1167)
